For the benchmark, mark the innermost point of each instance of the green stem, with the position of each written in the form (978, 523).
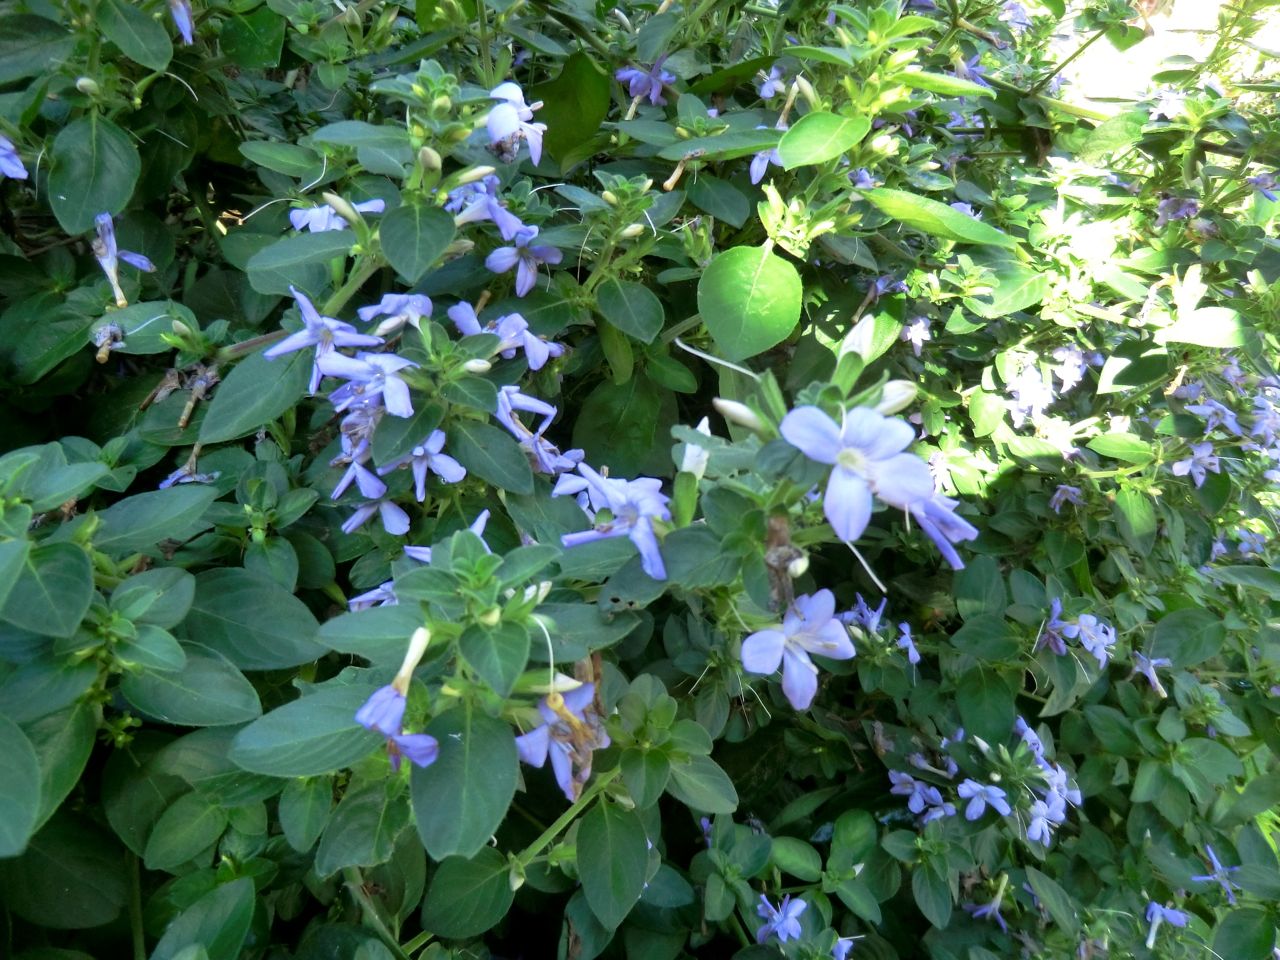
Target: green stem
(355, 885)
(602, 780)
(246, 347)
(418, 942)
(364, 270)
(1061, 65)
(135, 910)
(688, 323)
(486, 59)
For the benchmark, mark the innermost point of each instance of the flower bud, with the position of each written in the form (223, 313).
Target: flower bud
(896, 395)
(429, 160)
(632, 230)
(181, 329)
(560, 683)
(88, 86)
(647, 185)
(477, 365)
(610, 198)
(491, 617)
(473, 175)
(413, 656)
(695, 457)
(798, 567)
(340, 206)
(859, 339)
(738, 413)
(441, 104)
(885, 145)
(807, 91)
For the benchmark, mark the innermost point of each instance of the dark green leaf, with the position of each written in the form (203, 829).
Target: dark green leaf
(701, 785)
(218, 921)
(309, 736)
(467, 897)
(52, 591)
(139, 36)
(613, 857)
(362, 831)
(632, 308)
(290, 261)
(189, 827)
(254, 622)
(577, 101)
(254, 40)
(413, 237)
(208, 692)
(491, 455)
(95, 166)
(498, 654)
(19, 789)
(256, 392)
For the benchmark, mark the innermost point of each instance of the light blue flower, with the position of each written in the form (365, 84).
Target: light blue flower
(980, 796)
(10, 163)
(324, 333)
(808, 627)
(525, 256)
(369, 375)
(1202, 458)
(1221, 875)
(1063, 495)
(183, 20)
(782, 921)
(647, 83)
(569, 733)
(323, 218)
(632, 506)
(427, 458)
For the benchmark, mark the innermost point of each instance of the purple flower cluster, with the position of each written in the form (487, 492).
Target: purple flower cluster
(618, 508)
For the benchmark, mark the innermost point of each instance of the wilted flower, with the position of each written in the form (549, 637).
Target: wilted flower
(979, 796)
(782, 920)
(426, 458)
(632, 506)
(647, 83)
(109, 255)
(937, 517)
(1220, 876)
(1156, 915)
(1142, 664)
(571, 730)
(1063, 495)
(808, 627)
(10, 163)
(511, 121)
(322, 218)
(1265, 184)
(369, 375)
(1201, 459)
(1051, 634)
(865, 453)
(905, 642)
(525, 257)
(323, 333)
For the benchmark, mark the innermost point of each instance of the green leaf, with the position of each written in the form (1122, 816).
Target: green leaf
(467, 897)
(256, 392)
(943, 84)
(722, 146)
(62, 742)
(1017, 287)
(645, 773)
(190, 826)
(461, 798)
(1245, 934)
(1136, 518)
(140, 522)
(309, 736)
(986, 704)
(1259, 578)
(219, 921)
(491, 455)
(632, 308)
(254, 622)
(95, 167)
(19, 789)
(1207, 327)
(139, 36)
(255, 40)
(29, 44)
(207, 692)
(576, 104)
(13, 559)
(377, 634)
(287, 158)
(935, 218)
(1188, 637)
(397, 436)
(296, 260)
(70, 861)
(362, 831)
(701, 785)
(1056, 900)
(304, 810)
(749, 300)
(52, 591)
(932, 896)
(145, 325)
(819, 137)
(797, 858)
(621, 425)
(498, 654)
(413, 237)
(1123, 446)
(613, 857)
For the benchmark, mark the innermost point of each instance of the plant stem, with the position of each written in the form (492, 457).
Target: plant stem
(1061, 65)
(602, 780)
(355, 885)
(135, 910)
(365, 269)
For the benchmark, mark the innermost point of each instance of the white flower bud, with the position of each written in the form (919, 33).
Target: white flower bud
(412, 657)
(695, 457)
(738, 413)
(473, 175)
(340, 206)
(560, 684)
(798, 567)
(633, 230)
(897, 395)
(477, 365)
(88, 86)
(429, 159)
(859, 339)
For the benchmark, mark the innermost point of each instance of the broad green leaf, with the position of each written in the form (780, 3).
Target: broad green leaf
(190, 826)
(19, 789)
(139, 36)
(208, 692)
(362, 830)
(932, 895)
(252, 621)
(461, 798)
(1056, 900)
(253, 41)
(819, 137)
(1206, 327)
(1259, 578)
(646, 774)
(413, 237)
(378, 635)
(219, 922)
(622, 425)
(1017, 287)
(287, 158)
(467, 897)
(29, 44)
(722, 146)
(943, 84)
(491, 455)
(935, 218)
(701, 785)
(749, 299)
(140, 522)
(297, 260)
(576, 104)
(1247, 933)
(62, 742)
(1123, 446)
(1188, 637)
(304, 810)
(498, 654)
(309, 736)
(95, 166)
(613, 857)
(985, 703)
(52, 591)
(160, 597)
(797, 858)
(397, 436)
(1136, 518)
(13, 559)
(632, 308)
(70, 861)
(145, 325)
(253, 394)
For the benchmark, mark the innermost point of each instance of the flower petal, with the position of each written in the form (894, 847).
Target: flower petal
(847, 503)
(799, 678)
(813, 433)
(762, 651)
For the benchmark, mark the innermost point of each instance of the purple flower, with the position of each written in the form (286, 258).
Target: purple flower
(863, 615)
(511, 121)
(1265, 184)
(356, 457)
(808, 627)
(183, 20)
(322, 218)
(383, 595)
(1201, 459)
(916, 333)
(1063, 495)
(987, 911)
(1096, 636)
(965, 208)
(862, 179)
(918, 793)
(647, 83)
(570, 731)
(1071, 366)
(1169, 104)
(383, 711)
(369, 375)
(1031, 395)
(761, 161)
(1142, 664)
(1251, 542)
(323, 333)
(632, 506)
(109, 256)
(473, 202)
(421, 749)
(772, 84)
(865, 451)
(972, 70)
(1029, 737)
(512, 402)
(979, 796)
(1015, 14)
(905, 642)
(1156, 915)
(423, 554)
(1220, 876)
(782, 920)
(1216, 415)
(399, 309)
(1046, 815)
(1051, 634)
(10, 163)
(426, 458)
(843, 944)
(937, 517)
(886, 284)
(394, 520)
(1175, 208)
(513, 332)
(524, 257)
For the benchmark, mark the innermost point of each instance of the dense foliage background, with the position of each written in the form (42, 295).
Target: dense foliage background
(704, 478)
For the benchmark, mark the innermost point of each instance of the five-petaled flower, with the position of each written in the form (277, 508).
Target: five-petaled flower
(1202, 458)
(426, 458)
(513, 334)
(782, 921)
(512, 121)
(473, 202)
(399, 309)
(571, 730)
(1158, 914)
(109, 255)
(1096, 636)
(1220, 875)
(323, 218)
(631, 505)
(369, 375)
(323, 333)
(647, 83)
(979, 796)
(1063, 495)
(1265, 184)
(808, 627)
(525, 257)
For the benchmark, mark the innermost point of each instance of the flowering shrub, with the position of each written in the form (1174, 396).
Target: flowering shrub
(366, 589)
